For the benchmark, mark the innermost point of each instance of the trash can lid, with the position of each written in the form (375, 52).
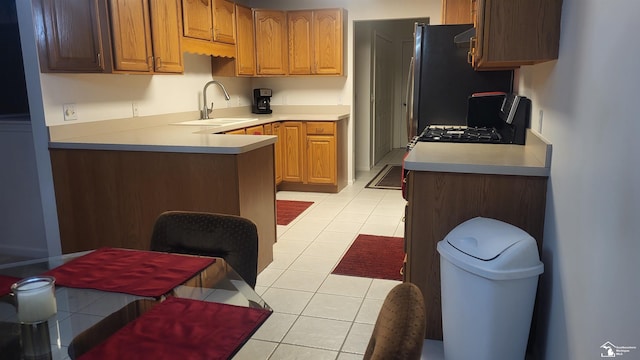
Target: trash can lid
(492, 249)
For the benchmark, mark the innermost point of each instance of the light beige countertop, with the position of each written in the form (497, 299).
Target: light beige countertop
(531, 159)
(160, 132)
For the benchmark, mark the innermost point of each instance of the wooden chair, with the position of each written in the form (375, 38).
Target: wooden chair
(399, 330)
(233, 238)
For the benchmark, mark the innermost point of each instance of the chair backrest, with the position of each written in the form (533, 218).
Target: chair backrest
(400, 327)
(233, 238)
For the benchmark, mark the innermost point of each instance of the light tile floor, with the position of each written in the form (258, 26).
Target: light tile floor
(318, 315)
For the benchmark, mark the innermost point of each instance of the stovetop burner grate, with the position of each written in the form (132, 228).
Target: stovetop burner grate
(460, 134)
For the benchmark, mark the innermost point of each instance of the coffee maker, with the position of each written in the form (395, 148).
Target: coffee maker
(261, 101)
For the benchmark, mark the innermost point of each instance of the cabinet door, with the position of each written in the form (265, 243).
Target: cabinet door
(165, 30)
(70, 35)
(255, 130)
(456, 12)
(277, 131)
(321, 159)
(514, 33)
(293, 151)
(236, 132)
(271, 42)
(245, 47)
(300, 46)
(196, 18)
(327, 42)
(131, 35)
(224, 21)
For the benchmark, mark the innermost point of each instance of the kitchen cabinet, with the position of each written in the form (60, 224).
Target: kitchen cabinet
(316, 42)
(209, 27)
(73, 36)
(224, 21)
(111, 198)
(314, 156)
(245, 46)
(140, 46)
(514, 33)
(456, 12)
(275, 129)
(271, 42)
(255, 130)
(237, 132)
(144, 37)
(292, 151)
(321, 156)
(439, 201)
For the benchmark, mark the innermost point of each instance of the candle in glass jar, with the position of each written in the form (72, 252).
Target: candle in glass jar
(35, 298)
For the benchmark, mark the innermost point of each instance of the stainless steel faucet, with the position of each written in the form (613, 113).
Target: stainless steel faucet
(204, 114)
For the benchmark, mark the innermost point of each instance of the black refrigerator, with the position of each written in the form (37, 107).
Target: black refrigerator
(441, 80)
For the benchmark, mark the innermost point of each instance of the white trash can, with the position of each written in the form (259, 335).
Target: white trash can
(489, 275)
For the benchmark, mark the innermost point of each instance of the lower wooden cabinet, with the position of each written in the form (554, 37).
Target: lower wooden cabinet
(321, 166)
(292, 151)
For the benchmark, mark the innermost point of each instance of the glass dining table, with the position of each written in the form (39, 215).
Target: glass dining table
(86, 317)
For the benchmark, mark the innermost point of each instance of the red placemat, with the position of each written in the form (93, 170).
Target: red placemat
(182, 329)
(136, 272)
(5, 284)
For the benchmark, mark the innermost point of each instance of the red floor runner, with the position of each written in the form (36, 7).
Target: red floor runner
(373, 256)
(288, 210)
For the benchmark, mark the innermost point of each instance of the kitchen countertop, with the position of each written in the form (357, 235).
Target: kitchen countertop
(531, 159)
(160, 133)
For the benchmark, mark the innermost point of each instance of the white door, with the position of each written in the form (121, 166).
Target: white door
(382, 97)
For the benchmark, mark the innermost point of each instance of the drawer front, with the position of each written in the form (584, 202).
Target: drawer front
(320, 127)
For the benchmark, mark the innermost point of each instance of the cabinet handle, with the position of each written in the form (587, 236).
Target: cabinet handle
(99, 60)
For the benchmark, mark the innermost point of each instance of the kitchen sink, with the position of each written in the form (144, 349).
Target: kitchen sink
(216, 121)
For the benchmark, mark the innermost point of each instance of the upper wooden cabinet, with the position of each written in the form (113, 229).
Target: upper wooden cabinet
(72, 36)
(197, 19)
(271, 42)
(456, 12)
(316, 42)
(224, 21)
(514, 33)
(245, 46)
(209, 27)
(75, 37)
(135, 46)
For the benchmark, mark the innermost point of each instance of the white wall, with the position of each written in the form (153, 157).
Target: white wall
(110, 96)
(589, 96)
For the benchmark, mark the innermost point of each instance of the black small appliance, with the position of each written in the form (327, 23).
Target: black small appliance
(261, 101)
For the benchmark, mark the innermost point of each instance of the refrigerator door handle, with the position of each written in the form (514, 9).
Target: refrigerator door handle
(412, 125)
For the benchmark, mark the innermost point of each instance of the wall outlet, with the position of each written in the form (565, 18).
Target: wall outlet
(134, 109)
(69, 112)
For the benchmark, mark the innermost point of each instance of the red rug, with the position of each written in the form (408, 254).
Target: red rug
(373, 256)
(287, 210)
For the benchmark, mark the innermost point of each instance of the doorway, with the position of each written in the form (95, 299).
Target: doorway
(380, 71)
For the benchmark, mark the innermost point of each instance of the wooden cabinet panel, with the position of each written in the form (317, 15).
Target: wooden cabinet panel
(224, 21)
(131, 35)
(514, 33)
(438, 202)
(236, 132)
(72, 36)
(316, 42)
(321, 159)
(321, 127)
(300, 42)
(165, 30)
(255, 130)
(196, 18)
(292, 151)
(277, 130)
(271, 42)
(328, 41)
(245, 46)
(456, 12)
